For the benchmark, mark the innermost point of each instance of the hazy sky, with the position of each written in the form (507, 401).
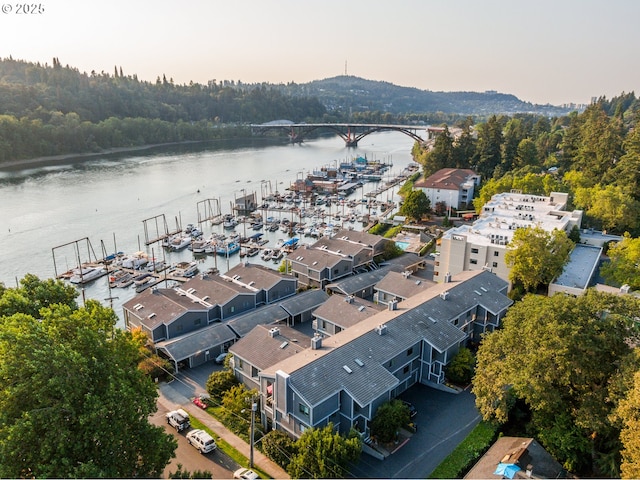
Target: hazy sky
(542, 51)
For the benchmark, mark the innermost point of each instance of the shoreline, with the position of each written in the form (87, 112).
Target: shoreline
(66, 158)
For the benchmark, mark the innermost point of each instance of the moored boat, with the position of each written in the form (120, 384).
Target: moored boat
(84, 275)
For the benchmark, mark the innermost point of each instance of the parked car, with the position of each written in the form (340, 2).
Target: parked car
(245, 474)
(220, 358)
(178, 419)
(201, 401)
(202, 441)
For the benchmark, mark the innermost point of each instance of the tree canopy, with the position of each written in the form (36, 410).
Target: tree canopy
(73, 402)
(416, 205)
(623, 266)
(537, 256)
(323, 453)
(562, 357)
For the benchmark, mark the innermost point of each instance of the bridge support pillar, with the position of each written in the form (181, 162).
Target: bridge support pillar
(351, 142)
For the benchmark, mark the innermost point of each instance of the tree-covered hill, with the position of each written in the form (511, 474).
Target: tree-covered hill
(348, 93)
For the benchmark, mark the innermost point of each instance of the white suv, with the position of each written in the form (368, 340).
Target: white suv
(245, 474)
(201, 440)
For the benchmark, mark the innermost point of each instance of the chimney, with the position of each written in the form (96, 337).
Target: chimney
(349, 299)
(447, 277)
(393, 304)
(274, 332)
(444, 295)
(316, 342)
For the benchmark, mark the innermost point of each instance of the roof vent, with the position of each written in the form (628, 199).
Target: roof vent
(359, 362)
(284, 344)
(316, 342)
(274, 332)
(347, 369)
(381, 330)
(361, 308)
(444, 295)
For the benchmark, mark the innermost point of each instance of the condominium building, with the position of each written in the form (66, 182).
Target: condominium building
(483, 244)
(453, 186)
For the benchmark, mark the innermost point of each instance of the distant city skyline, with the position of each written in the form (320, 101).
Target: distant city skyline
(543, 51)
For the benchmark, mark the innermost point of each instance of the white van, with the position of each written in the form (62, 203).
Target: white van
(201, 440)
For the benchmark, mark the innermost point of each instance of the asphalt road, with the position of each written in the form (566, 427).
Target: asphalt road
(217, 462)
(443, 419)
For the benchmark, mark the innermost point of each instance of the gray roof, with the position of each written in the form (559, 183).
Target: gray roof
(262, 350)
(346, 311)
(187, 345)
(304, 301)
(327, 375)
(266, 315)
(582, 265)
(356, 283)
(402, 285)
(257, 276)
(316, 374)
(156, 306)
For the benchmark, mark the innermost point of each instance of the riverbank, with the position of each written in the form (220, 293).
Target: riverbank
(69, 158)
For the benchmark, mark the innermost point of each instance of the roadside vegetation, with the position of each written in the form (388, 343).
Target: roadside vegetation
(74, 402)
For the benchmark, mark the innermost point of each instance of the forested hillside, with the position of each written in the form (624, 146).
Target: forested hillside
(51, 110)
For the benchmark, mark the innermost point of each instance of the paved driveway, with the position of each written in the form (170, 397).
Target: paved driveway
(444, 420)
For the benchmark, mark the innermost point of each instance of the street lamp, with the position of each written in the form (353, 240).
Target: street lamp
(254, 407)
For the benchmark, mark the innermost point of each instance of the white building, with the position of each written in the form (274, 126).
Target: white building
(483, 244)
(453, 186)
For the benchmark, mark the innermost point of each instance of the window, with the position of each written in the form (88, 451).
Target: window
(197, 321)
(496, 254)
(410, 351)
(495, 264)
(474, 250)
(303, 409)
(405, 369)
(473, 261)
(456, 321)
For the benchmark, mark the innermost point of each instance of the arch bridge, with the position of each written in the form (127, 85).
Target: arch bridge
(351, 133)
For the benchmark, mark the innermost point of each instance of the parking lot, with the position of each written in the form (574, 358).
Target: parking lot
(443, 419)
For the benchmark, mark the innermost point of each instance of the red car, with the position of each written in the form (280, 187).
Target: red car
(200, 401)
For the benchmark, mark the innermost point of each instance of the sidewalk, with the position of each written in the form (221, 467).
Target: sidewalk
(177, 394)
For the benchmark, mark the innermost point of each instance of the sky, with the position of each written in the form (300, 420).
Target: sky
(542, 51)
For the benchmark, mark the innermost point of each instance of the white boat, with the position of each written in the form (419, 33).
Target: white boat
(186, 269)
(267, 254)
(135, 260)
(277, 255)
(87, 274)
(179, 242)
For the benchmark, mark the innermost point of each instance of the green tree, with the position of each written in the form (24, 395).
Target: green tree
(220, 382)
(628, 413)
(624, 265)
(279, 447)
(323, 453)
(461, 368)
(559, 356)
(389, 418)
(74, 403)
(416, 205)
(441, 155)
(536, 256)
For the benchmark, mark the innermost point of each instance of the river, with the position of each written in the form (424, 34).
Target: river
(106, 198)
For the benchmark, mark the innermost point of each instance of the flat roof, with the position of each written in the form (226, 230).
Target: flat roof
(578, 272)
(507, 212)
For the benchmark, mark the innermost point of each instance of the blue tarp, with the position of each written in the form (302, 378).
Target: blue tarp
(507, 470)
(291, 242)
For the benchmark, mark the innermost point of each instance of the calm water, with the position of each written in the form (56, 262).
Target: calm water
(107, 198)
